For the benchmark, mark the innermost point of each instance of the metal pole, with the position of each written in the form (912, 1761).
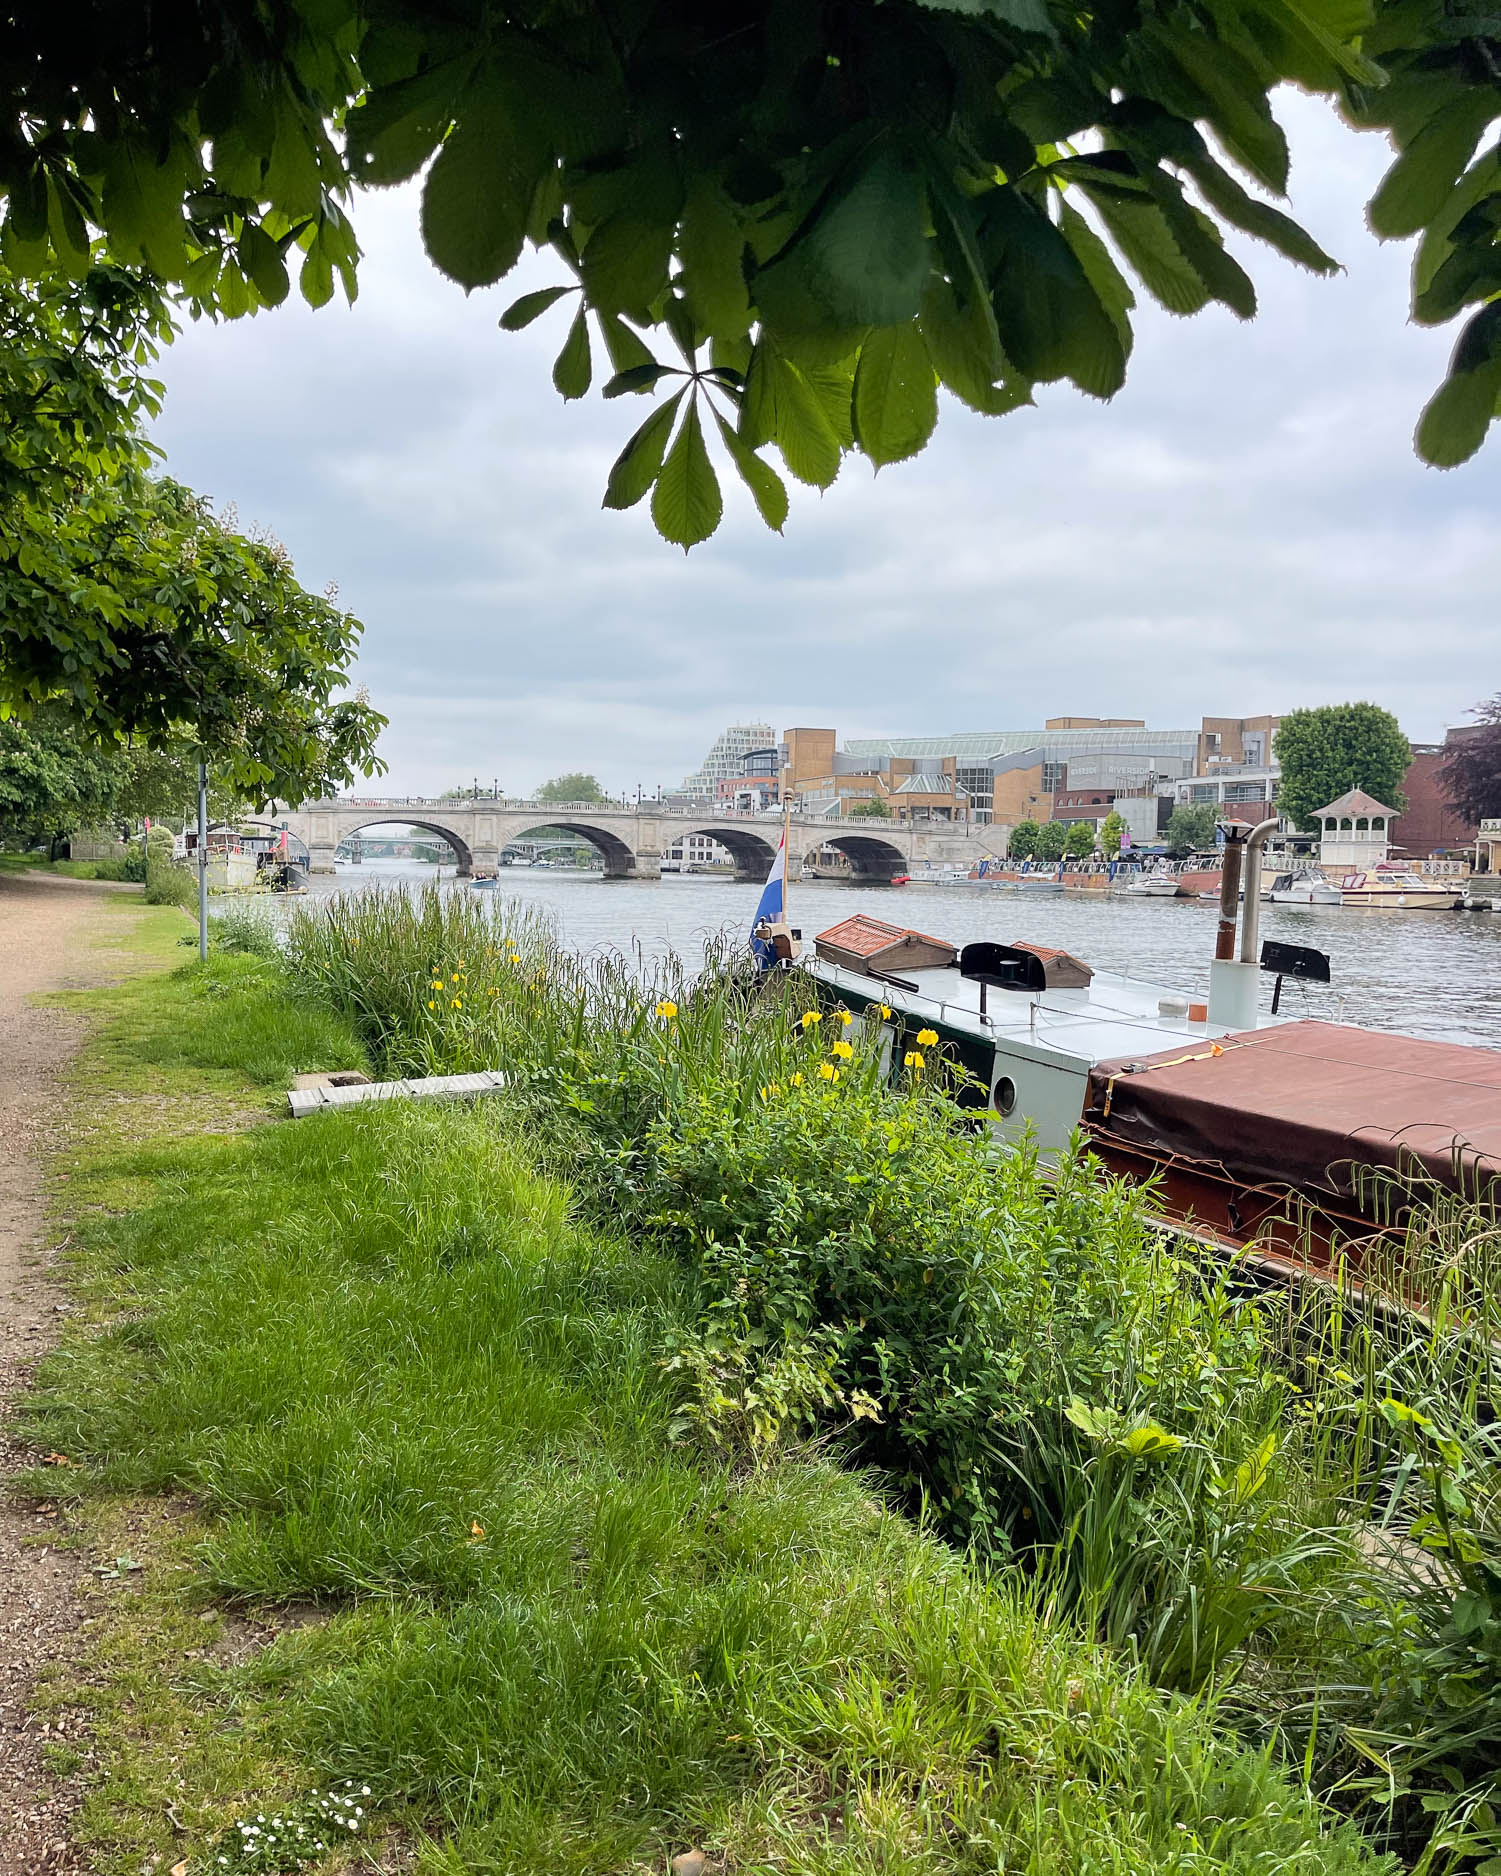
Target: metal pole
(1224, 937)
(1250, 924)
(203, 860)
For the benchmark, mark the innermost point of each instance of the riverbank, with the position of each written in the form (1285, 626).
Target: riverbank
(382, 1441)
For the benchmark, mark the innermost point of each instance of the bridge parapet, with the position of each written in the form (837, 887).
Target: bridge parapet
(631, 836)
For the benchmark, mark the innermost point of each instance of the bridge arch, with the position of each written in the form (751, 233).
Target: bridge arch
(871, 858)
(619, 856)
(353, 825)
(752, 853)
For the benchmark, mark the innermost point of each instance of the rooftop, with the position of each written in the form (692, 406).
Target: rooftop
(1357, 801)
(983, 745)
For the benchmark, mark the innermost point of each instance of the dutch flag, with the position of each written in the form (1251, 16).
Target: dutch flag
(772, 908)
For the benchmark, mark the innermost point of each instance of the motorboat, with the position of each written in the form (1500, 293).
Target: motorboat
(1387, 884)
(1154, 886)
(1307, 888)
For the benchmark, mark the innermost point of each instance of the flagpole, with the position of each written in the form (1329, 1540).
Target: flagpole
(786, 818)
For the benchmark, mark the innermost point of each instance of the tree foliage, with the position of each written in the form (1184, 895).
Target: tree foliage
(793, 220)
(1327, 751)
(1081, 841)
(56, 777)
(1112, 831)
(121, 595)
(872, 810)
(1023, 842)
(570, 788)
(1190, 829)
(51, 781)
(1470, 775)
(1052, 841)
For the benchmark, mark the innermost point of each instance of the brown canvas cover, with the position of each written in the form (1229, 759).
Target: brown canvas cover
(1301, 1104)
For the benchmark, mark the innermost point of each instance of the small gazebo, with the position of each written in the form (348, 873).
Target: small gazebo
(1356, 831)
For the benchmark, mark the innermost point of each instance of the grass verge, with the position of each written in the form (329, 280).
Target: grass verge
(402, 1388)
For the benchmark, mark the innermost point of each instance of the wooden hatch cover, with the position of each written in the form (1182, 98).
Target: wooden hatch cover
(1061, 969)
(867, 944)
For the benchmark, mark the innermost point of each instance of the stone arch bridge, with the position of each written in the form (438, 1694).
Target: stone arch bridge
(631, 839)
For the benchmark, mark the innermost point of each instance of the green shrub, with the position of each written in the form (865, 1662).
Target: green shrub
(167, 883)
(246, 929)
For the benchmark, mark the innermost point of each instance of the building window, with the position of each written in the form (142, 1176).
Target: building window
(976, 783)
(1206, 791)
(1244, 791)
(1052, 776)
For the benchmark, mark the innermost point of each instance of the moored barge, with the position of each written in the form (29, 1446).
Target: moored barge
(1258, 1129)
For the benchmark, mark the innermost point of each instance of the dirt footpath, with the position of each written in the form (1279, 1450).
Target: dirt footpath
(50, 933)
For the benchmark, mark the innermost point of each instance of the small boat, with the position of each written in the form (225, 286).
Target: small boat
(901, 879)
(1387, 884)
(1153, 886)
(1308, 888)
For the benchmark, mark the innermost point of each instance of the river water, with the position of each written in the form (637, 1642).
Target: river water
(1434, 974)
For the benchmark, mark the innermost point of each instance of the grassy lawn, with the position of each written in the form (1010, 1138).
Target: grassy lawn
(35, 863)
(388, 1430)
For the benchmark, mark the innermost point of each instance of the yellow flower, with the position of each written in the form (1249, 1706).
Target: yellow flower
(667, 1009)
(456, 977)
(493, 991)
(927, 1038)
(432, 1006)
(458, 1003)
(797, 1081)
(828, 1072)
(515, 957)
(846, 1018)
(885, 1012)
(461, 964)
(810, 1017)
(912, 1059)
(769, 1090)
(843, 1050)
(437, 983)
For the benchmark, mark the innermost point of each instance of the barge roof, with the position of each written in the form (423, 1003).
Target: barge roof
(1303, 1103)
(1113, 1016)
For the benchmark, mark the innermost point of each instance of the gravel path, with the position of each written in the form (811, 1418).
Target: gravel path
(49, 940)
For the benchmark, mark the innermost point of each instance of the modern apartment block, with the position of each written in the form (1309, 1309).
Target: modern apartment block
(728, 759)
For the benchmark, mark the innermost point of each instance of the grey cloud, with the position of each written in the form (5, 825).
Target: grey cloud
(1244, 528)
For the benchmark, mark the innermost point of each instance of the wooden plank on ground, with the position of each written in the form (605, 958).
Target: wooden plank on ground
(304, 1101)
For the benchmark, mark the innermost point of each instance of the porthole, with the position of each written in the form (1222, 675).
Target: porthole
(1004, 1095)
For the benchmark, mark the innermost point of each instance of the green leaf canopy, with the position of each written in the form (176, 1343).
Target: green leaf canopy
(818, 210)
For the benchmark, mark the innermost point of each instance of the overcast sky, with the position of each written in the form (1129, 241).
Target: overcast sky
(1244, 529)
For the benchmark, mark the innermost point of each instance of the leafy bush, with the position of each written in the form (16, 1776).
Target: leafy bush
(166, 882)
(857, 1244)
(242, 928)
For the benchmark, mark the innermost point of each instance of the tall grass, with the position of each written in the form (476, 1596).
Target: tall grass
(403, 1376)
(1292, 1494)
